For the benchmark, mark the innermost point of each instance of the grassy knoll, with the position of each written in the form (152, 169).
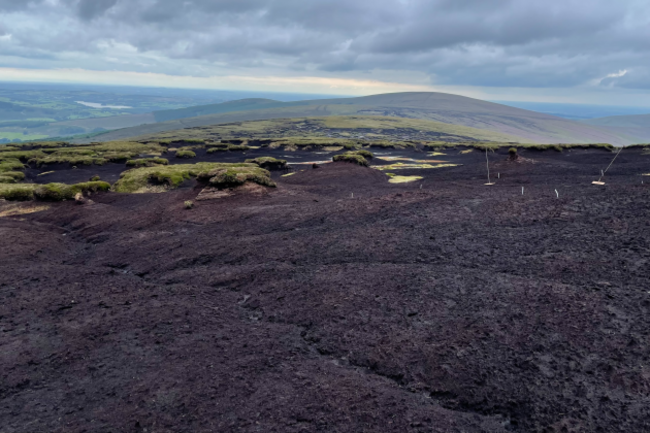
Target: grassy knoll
(162, 178)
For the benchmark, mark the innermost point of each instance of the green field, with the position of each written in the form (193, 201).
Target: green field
(11, 136)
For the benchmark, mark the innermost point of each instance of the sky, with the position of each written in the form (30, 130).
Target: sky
(564, 51)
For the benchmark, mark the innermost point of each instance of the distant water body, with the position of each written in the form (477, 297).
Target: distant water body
(96, 105)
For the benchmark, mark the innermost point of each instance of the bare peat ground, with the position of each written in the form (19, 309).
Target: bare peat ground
(452, 308)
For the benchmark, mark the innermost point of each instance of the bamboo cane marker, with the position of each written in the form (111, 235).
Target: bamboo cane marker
(487, 161)
(600, 181)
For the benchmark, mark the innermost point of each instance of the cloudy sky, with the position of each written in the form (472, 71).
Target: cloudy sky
(585, 51)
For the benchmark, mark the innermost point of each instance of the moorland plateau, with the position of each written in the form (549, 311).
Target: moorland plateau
(233, 278)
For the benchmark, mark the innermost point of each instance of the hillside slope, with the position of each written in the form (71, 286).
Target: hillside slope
(636, 125)
(441, 107)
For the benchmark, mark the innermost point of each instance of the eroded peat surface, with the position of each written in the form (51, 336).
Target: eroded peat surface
(337, 302)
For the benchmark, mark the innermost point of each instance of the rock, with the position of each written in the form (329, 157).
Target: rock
(79, 198)
(315, 165)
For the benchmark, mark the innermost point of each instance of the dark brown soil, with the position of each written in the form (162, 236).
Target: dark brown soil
(456, 307)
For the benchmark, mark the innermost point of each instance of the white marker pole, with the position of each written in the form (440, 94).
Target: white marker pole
(557, 193)
(522, 190)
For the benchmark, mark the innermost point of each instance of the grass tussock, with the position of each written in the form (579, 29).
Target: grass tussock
(10, 164)
(87, 154)
(268, 163)
(185, 154)
(146, 162)
(11, 176)
(50, 191)
(354, 157)
(229, 177)
(139, 180)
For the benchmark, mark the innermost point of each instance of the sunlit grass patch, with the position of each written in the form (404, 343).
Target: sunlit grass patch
(465, 152)
(15, 210)
(404, 179)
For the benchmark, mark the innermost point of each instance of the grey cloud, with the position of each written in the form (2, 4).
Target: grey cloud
(462, 42)
(89, 9)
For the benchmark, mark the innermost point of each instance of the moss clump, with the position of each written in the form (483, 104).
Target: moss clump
(49, 192)
(353, 157)
(185, 154)
(10, 164)
(228, 177)
(268, 163)
(162, 178)
(189, 204)
(146, 162)
(11, 177)
(235, 147)
(61, 191)
(365, 153)
(17, 192)
(217, 149)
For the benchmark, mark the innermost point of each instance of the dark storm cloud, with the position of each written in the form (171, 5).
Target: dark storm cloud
(464, 42)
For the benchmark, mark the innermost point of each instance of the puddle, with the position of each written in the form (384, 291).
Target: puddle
(311, 162)
(403, 166)
(401, 158)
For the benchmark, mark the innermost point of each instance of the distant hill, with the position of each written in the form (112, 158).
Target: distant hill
(636, 125)
(367, 128)
(529, 126)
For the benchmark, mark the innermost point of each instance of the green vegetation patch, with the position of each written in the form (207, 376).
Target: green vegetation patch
(49, 192)
(40, 154)
(10, 164)
(162, 178)
(228, 177)
(185, 154)
(11, 176)
(238, 148)
(354, 157)
(268, 163)
(146, 162)
(61, 191)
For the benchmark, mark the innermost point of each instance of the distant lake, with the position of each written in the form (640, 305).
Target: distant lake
(96, 105)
